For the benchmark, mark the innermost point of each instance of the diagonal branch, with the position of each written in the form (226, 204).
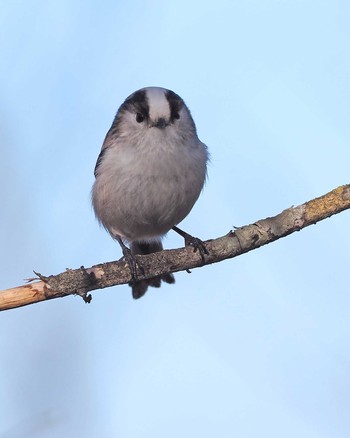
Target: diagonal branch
(83, 280)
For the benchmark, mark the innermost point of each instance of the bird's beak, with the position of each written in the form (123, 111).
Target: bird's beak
(161, 123)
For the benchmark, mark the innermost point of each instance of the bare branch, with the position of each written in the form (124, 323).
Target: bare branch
(83, 280)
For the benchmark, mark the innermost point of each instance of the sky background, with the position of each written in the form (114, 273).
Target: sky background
(254, 346)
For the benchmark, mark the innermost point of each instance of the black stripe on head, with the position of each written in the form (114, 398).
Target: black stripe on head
(137, 103)
(175, 104)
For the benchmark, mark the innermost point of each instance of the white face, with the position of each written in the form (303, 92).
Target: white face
(151, 109)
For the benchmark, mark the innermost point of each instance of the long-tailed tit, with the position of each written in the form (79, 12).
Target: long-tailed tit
(149, 174)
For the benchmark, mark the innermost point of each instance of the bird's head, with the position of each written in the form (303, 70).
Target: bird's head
(154, 111)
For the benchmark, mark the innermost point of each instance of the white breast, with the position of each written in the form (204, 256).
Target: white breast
(143, 190)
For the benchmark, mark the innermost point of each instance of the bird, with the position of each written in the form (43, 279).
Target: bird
(150, 172)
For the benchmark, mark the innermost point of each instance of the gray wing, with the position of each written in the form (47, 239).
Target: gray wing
(99, 160)
(110, 138)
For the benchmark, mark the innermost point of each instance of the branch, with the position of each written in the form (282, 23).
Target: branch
(83, 280)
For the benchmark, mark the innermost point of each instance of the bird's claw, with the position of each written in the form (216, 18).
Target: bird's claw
(197, 244)
(133, 264)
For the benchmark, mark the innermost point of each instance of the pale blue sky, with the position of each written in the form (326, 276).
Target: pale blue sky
(255, 346)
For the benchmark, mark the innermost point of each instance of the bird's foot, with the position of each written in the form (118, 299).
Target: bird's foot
(133, 263)
(197, 244)
(131, 260)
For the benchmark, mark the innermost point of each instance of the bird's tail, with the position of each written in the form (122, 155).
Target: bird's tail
(139, 287)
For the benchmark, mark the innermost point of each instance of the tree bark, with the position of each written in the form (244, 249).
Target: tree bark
(239, 241)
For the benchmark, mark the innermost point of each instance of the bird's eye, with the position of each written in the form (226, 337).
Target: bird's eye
(176, 116)
(139, 118)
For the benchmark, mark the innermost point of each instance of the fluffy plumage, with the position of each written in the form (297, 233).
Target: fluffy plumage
(150, 172)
